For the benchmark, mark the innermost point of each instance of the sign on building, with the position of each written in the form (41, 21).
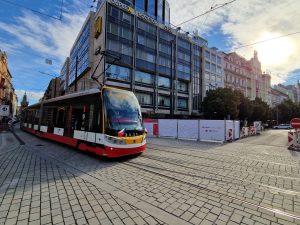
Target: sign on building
(4, 110)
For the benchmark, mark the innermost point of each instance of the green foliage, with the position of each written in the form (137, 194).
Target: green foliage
(287, 110)
(222, 102)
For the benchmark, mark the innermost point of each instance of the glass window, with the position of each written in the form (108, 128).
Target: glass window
(219, 79)
(114, 12)
(141, 39)
(144, 78)
(207, 76)
(164, 101)
(184, 44)
(167, 12)
(165, 48)
(219, 61)
(147, 56)
(184, 56)
(213, 58)
(207, 66)
(113, 28)
(182, 86)
(126, 33)
(151, 7)
(182, 103)
(119, 47)
(213, 68)
(144, 98)
(207, 54)
(160, 10)
(164, 62)
(140, 5)
(213, 78)
(219, 70)
(118, 72)
(126, 17)
(164, 82)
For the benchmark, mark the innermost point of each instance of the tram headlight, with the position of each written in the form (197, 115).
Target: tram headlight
(116, 141)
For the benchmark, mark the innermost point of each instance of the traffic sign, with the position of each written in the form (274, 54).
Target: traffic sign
(295, 123)
(4, 110)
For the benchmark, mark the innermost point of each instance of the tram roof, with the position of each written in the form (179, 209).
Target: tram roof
(73, 95)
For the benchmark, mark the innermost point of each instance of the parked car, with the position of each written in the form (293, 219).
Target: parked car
(283, 126)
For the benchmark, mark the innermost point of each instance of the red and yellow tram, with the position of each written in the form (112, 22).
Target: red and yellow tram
(107, 122)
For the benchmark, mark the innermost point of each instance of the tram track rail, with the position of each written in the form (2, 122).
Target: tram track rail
(229, 179)
(65, 165)
(269, 209)
(229, 169)
(208, 158)
(226, 155)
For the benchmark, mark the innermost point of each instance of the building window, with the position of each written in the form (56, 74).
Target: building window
(213, 58)
(184, 56)
(219, 70)
(118, 47)
(113, 28)
(182, 86)
(164, 82)
(145, 78)
(114, 12)
(219, 79)
(148, 42)
(165, 48)
(140, 5)
(164, 101)
(182, 103)
(213, 68)
(146, 27)
(207, 66)
(207, 55)
(219, 60)
(146, 56)
(144, 98)
(118, 72)
(164, 62)
(151, 7)
(207, 76)
(184, 44)
(160, 10)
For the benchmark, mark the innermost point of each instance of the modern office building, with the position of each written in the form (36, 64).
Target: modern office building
(123, 46)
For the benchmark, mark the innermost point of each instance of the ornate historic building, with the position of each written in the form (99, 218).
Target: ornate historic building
(7, 91)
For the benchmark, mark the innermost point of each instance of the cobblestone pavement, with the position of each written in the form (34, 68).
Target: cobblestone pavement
(251, 181)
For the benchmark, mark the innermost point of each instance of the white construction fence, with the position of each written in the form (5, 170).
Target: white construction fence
(201, 130)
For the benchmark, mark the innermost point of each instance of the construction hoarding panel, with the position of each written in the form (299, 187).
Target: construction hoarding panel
(212, 130)
(167, 128)
(188, 129)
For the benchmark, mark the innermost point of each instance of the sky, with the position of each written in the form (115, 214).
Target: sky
(32, 31)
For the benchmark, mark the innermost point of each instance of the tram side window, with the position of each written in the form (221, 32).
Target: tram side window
(87, 116)
(60, 118)
(80, 114)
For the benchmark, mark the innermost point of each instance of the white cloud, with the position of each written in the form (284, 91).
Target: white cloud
(48, 36)
(32, 96)
(249, 22)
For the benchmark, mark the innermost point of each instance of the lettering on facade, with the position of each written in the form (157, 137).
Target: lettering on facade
(98, 27)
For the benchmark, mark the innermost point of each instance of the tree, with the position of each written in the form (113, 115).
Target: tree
(245, 107)
(287, 110)
(220, 103)
(261, 110)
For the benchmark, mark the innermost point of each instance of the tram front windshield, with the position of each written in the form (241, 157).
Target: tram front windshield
(122, 110)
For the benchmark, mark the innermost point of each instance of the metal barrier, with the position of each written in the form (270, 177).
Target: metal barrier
(294, 140)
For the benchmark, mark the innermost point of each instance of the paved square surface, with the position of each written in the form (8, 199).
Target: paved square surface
(251, 181)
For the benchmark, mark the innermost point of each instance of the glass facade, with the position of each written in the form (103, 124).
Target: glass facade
(164, 101)
(150, 64)
(80, 54)
(118, 72)
(164, 82)
(151, 8)
(144, 78)
(144, 98)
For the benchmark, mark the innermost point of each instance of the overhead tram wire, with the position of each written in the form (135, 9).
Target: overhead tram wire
(33, 10)
(266, 40)
(209, 11)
